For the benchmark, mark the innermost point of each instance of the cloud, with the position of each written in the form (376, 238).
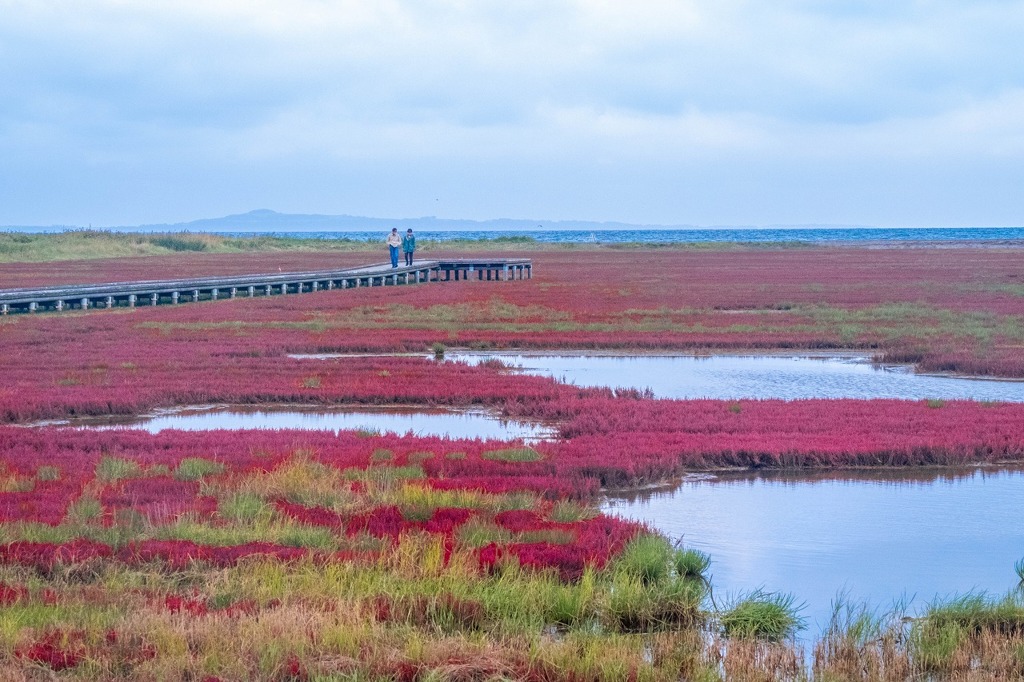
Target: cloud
(234, 90)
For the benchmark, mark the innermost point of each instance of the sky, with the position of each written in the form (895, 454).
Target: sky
(687, 112)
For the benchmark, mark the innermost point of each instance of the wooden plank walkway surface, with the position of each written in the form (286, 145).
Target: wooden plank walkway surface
(159, 292)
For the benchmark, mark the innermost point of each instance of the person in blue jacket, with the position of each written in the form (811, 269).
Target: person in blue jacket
(408, 246)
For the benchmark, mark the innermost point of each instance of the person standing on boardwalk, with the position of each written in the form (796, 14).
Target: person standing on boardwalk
(408, 245)
(394, 241)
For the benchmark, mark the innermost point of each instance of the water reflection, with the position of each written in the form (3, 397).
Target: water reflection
(421, 422)
(878, 536)
(903, 476)
(729, 377)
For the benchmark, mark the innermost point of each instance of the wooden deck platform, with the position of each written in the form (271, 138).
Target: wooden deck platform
(131, 294)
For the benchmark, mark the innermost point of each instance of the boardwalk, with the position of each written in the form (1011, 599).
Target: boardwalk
(131, 294)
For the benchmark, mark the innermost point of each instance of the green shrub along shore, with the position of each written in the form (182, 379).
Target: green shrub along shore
(37, 247)
(90, 244)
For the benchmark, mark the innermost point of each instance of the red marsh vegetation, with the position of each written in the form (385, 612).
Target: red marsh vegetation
(293, 555)
(956, 309)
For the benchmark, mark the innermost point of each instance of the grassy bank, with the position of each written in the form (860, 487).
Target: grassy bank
(92, 244)
(413, 613)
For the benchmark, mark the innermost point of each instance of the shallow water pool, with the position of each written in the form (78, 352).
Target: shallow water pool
(445, 423)
(880, 537)
(732, 377)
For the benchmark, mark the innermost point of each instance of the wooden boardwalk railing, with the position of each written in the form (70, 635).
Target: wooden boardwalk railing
(131, 294)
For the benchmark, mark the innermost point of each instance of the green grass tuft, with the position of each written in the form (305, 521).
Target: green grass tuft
(195, 468)
(516, 500)
(763, 615)
(48, 473)
(934, 645)
(978, 612)
(478, 532)
(386, 476)
(84, 509)
(112, 469)
(419, 457)
(691, 564)
(381, 455)
(569, 605)
(417, 512)
(648, 558)
(856, 624)
(178, 242)
(636, 606)
(512, 455)
(570, 511)
(245, 508)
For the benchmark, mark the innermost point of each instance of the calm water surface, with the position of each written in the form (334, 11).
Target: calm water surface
(877, 537)
(450, 423)
(729, 377)
(611, 234)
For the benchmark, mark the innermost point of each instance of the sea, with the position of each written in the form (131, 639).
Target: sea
(938, 236)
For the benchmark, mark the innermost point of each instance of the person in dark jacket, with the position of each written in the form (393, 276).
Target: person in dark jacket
(408, 246)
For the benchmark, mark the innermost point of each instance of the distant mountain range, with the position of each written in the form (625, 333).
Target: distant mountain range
(266, 220)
